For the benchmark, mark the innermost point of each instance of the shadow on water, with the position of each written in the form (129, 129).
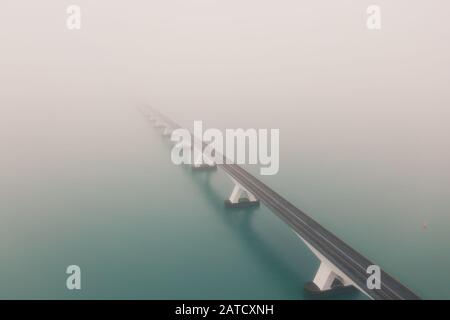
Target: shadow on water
(240, 222)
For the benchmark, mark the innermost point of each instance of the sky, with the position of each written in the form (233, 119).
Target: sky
(338, 92)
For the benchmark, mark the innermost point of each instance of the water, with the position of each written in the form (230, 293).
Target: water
(84, 179)
(142, 228)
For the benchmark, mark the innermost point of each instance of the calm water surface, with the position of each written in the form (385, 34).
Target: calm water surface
(142, 228)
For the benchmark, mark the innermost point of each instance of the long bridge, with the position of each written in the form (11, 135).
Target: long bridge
(340, 264)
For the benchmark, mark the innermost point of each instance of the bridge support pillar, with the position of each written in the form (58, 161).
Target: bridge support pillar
(328, 277)
(203, 163)
(167, 131)
(324, 279)
(241, 198)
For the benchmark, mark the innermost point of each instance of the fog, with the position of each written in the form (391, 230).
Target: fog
(344, 98)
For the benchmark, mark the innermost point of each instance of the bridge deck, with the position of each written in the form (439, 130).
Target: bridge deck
(344, 257)
(348, 260)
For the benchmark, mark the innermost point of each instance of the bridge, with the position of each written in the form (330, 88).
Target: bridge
(340, 265)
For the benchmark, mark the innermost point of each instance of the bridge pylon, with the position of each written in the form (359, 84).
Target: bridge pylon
(167, 131)
(241, 197)
(203, 163)
(328, 277)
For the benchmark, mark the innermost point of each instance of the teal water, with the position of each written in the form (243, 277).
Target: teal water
(141, 228)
